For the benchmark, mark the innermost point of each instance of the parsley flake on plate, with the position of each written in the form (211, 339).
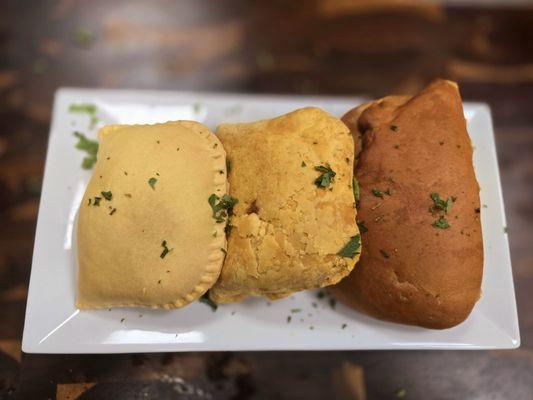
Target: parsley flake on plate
(350, 249)
(90, 147)
(326, 177)
(107, 195)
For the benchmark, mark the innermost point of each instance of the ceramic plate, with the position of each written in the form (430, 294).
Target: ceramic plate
(54, 325)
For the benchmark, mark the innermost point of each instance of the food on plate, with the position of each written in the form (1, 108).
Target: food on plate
(148, 234)
(422, 259)
(294, 226)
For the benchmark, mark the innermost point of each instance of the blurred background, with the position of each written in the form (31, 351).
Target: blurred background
(328, 47)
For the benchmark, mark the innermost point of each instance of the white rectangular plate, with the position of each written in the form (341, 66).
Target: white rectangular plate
(54, 325)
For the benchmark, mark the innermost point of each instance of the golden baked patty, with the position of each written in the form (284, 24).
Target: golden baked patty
(294, 226)
(146, 232)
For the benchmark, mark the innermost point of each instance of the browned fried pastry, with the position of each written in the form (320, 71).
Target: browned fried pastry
(422, 259)
(294, 226)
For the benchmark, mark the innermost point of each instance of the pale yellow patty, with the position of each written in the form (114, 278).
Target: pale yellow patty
(287, 232)
(120, 240)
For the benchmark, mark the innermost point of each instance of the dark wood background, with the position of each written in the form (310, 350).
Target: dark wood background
(351, 47)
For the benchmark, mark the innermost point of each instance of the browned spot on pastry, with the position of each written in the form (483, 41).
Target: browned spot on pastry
(253, 209)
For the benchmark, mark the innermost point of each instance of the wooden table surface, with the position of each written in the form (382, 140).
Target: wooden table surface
(315, 47)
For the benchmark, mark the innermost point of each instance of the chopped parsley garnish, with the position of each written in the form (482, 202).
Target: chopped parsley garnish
(326, 177)
(112, 211)
(222, 207)
(377, 192)
(90, 147)
(85, 108)
(355, 186)
(343, 326)
(440, 204)
(441, 223)
(296, 310)
(303, 164)
(166, 250)
(384, 253)
(289, 318)
(362, 227)
(90, 200)
(206, 300)
(320, 294)
(394, 128)
(107, 195)
(152, 182)
(505, 230)
(350, 249)
(96, 201)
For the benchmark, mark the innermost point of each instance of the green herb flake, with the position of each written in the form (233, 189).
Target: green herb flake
(320, 294)
(303, 164)
(222, 207)
(96, 201)
(394, 128)
(355, 186)
(85, 108)
(350, 249)
(326, 177)
(440, 204)
(152, 181)
(107, 195)
(90, 201)
(90, 147)
(505, 230)
(114, 210)
(441, 223)
(343, 326)
(289, 319)
(296, 310)
(362, 227)
(206, 300)
(166, 250)
(228, 165)
(384, 253)
(377, 192)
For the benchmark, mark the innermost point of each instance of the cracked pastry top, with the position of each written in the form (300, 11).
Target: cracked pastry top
(294, 225)
(423, 258)
(146, 234)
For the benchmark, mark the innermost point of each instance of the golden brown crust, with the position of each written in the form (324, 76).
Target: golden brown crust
(119, 252)
(416, 146)
(287, 232)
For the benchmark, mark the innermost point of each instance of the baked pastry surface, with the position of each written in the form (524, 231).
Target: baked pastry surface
(422, 260)
(287, 229)
(146, 234)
